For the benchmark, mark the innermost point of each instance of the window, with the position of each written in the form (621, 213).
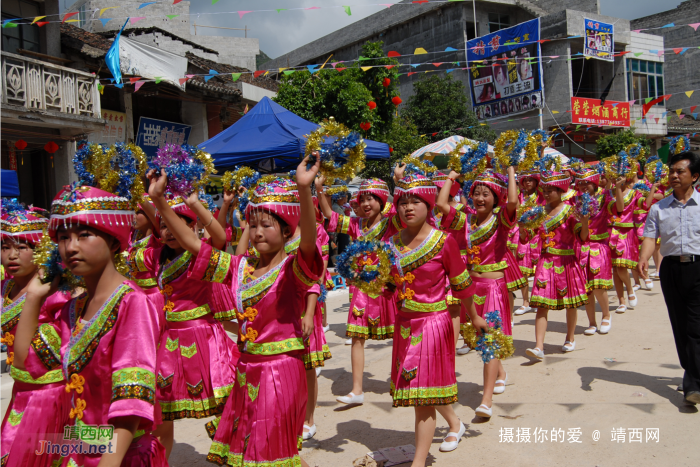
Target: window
(498, 21)
(644, 79)
(24, 36)
(471, 31)
(82, 16)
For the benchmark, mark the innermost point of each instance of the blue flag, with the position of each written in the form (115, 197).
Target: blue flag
(112, 57)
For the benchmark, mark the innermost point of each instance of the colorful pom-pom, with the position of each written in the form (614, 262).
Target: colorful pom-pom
(586, 205)
(367, 265)
(342, 159)
(188, 168)
(493, 343)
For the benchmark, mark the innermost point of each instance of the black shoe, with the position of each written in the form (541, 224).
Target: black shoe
(680, 388)
(693, 397)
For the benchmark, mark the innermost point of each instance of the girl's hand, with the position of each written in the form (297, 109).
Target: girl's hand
(307, 325)
(241, 191)
(454, 175)
(229, 196)
(39, 290)
(157, 183)
(399, 171)
(305, 177)
(192, 199)
(480, 325)
(620, 182)
(320, 180)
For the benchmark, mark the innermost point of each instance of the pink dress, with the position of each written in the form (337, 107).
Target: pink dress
(196, 358)
(38, 405)
(262, 422)
(529, 243)
(423, 357)
(370, 316)
(594, 254)
(623, 238)
(117, 345)
(222, 300)
(455, 227)
(559, 281)
(641, 211)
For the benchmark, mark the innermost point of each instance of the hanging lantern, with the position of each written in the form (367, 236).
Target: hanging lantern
(365, 125)
(396, 100)
(51, 147)
(391, 149)
(21, 144)
(372, 105)
(386, 82)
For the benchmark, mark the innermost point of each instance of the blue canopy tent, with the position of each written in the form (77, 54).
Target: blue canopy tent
(10, 185)
(269, 132)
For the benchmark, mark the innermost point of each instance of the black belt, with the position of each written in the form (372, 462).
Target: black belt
(683, 258)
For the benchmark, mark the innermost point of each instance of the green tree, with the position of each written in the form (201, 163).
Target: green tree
(612, 144)
(440, 107)
(402, 137)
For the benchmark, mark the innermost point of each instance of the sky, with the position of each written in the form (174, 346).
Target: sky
(285, 31)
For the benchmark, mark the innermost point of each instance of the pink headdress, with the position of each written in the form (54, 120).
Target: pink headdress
(556, 180)
(532, 173)
(439, 180)
(492, 180)
(418, 185)
(588, 175)
(20, 224)
(375, 187)
(278, 196)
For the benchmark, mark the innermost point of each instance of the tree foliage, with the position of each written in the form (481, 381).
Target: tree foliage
(612, 144)
(439, 106)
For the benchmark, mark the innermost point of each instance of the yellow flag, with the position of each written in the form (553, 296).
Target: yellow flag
(108, 8)
(555, 111)
(38, 18)
(420, 51)
(281, 70)
(678, 112)
(689, 93)
(365, 68)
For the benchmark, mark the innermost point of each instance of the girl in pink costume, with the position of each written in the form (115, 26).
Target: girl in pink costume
(423, 358)
(262, 422)
(529, 242)
(195, 371)
(38, 403)
(370, 317)
(559, 281)
(594, 253)
(489, 225)
(109, 334)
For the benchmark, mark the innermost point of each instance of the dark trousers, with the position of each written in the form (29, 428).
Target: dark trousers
(680, 284)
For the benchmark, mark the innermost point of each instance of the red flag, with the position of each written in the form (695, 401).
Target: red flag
(258, 73)
(393, 53)
(647, 106)
(68, 15)
(134, 80)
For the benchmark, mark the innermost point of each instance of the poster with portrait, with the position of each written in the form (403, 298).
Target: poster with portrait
(598, 41)
(505, 71)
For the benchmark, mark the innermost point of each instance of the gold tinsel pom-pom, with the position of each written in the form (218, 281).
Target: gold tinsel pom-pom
(208, 163)
(505, 343)
(455, 158)
(337, 189)
(428, 169)
(121, 264)
(536, 144)
(232, 179)
(46, 257)
(355, 156)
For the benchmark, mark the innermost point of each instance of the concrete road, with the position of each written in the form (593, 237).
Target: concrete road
(624, 381)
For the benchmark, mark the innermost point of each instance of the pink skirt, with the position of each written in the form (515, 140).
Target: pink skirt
(624, 246)
(263, 421)
(144, 451)
(596, 264)
(196, 368)
(423, 360)
(491, 295)
(371, 317)
(36, 412)
(528, 254)
(513, 275)
(559, 283)
(316, 349)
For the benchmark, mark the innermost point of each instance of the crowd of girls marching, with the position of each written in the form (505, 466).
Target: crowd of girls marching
(91, 343)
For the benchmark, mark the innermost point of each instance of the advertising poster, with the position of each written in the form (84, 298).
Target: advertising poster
(589, 112)
(153, 134)
(506, 74)
(598, 41)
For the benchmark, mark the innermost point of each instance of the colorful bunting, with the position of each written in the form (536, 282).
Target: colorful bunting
(347, 10)
(42, 23)
(144, 5)
(393, 53)
(68, 15)
(104, 21)
(38, 18)
(172, 16)
(420, 51)
(105, 9)
(235, 76)
(243, 13)
(137, 19)
(694, 26)
(138, 85)
(258, 73)
(158, 79)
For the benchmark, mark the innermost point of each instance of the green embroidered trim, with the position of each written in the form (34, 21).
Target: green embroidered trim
(190, 351)
(485, 231)
(133, 383)
(240, 377)
(191, 408)
(415, 340)
(343, 224)
(452, 301)
(10, 313)
(602, 236)
(217, 267)
(559, 269)
(425, 307)
(555, 222)
(376, 232)
(373, 296)
(479, 300)
(460, 279)
(315, 359)
(595, 253)
(585, 248)
(47, 346)
(526, 270)
(53, 376)
(405, 332)
(256, 290)
(136, 261)
(172, 345)
(223, 392)
(292, 246)
(489, 267)
(364, 332)
(534, 246)
(458, 222)
(548, 264)
(274, 348)
(424, 396)
(253, 392)
(599, 284)
(556, 251)
(146, 283)
(15, 417)
(176, 267)
(221, 454)
(143, 243)
(187, 315)
(301, 275)
(558, 304)
(430, 248)
(624, 263)
(628, 225)
(516, 284)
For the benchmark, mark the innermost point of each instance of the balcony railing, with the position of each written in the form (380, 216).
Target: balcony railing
(42, 86)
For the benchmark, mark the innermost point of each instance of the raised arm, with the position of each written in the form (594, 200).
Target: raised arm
(214, 229)
(619, 196)
(443, 199)
(37, 293)
(225, 205)
(323, 203)
(651, 197)
(512, 203)
(150, 212)
(307, 223)
(182, 233)
(243, 242)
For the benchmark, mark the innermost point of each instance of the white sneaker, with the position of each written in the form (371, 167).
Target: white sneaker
(463, 350)
(326, 328)
(448, 446)
(318, 371)
(483, 411)
(500, 389)
(309, 434)
(535, 353)
(351, 399)
(348, 342)
(522, 310)
(568, 346)
(605, 328)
